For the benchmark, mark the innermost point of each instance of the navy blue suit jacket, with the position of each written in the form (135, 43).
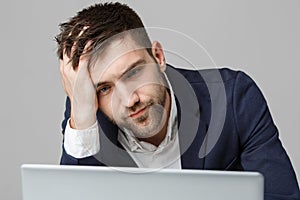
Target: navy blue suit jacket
(247, 141)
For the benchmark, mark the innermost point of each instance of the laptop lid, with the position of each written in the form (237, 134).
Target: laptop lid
(91, 183)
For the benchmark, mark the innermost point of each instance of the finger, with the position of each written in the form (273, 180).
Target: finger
(61, 66)
(87, 45)
(85, 50)
(83, 60)
(75, 42)
(65, 65)
(83, 29)
(66, 59)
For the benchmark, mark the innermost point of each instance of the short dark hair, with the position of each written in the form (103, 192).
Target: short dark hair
(98, 23)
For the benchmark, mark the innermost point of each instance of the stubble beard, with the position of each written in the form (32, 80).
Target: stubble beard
(152, 121)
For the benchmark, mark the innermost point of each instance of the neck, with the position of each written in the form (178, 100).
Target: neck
(160, 136)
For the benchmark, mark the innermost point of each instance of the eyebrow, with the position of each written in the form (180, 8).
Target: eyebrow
(131, 66)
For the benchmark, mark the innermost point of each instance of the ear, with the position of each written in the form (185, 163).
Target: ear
(157, 52)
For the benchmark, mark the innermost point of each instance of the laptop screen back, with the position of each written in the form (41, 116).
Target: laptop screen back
(91, 183)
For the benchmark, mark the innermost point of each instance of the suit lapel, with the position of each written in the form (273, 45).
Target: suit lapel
(191, 131)
(112, 152)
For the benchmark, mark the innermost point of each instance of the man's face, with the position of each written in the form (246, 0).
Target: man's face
(131, 88)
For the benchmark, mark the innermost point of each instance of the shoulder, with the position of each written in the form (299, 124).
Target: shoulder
(220, 83)
(211, 75)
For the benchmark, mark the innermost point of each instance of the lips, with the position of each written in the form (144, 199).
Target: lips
(138, 112)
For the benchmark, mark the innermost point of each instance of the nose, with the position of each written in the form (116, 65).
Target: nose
(127, 95)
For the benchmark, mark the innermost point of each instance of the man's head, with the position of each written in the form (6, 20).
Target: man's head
(126, 69)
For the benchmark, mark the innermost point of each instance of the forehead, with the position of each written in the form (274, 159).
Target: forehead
(115, 58)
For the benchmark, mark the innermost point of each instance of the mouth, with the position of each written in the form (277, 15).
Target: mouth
(139, 112)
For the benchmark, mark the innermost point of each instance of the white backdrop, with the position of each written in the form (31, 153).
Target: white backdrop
(258, 37)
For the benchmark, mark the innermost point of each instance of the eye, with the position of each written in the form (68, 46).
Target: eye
(133, 72)
(104, 90)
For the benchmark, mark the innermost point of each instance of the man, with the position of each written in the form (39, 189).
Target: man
(127, 107)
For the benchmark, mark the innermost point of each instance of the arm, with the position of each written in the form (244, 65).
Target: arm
(261, 148)
(81, 107)
(78, 145)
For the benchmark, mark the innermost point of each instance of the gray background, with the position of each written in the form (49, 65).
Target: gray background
(259, 37)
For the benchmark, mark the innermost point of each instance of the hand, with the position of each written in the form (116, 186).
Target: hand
(79, 87)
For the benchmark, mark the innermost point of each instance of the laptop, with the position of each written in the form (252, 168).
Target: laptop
(49, 182)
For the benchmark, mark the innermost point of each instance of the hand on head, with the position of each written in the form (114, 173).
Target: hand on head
(79, 87)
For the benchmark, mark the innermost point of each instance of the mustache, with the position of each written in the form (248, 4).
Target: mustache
(139, 105)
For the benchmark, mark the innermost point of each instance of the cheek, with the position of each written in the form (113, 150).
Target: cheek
(104, 104)
(151, 92)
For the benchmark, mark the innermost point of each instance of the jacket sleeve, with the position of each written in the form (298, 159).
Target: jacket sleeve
(261, 149)
(67, 159)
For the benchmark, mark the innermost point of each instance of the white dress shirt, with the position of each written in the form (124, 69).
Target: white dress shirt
(84, 143)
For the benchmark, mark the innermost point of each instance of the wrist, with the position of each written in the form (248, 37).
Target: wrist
(82, 119)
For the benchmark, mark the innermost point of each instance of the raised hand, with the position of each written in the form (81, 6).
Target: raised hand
(79, 87)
